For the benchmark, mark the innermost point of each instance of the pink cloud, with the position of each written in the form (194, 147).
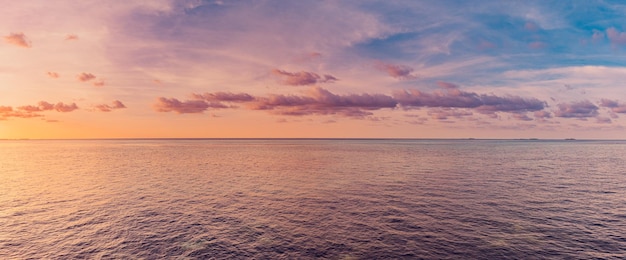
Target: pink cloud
(302, 78)
(597, 36)
(307, 57)
(542, 114)
(580, 109)
(30, 111)
(537, 45)
(18, 39)
(615, 36)
(53, 75)
(614, 105)
(447, 85)
(85, 77)
(99, 83)
(108, 108)
(485, 45)
(71, 37)
(531, 26)
(60, 107)
(603, 120)
(396, 71)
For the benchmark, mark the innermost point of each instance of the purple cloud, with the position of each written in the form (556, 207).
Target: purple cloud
(18, 39)
(445, 113)
(185, 107)
(542, 114)
(302, 78)
(614, 105)
(396, 71)
(521, 116)
(224, 96)
(322, 102)
(580, 109)
(453, 97)
(603, 120)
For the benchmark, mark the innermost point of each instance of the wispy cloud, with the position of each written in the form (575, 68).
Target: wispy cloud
(185, 107)
(396, 71)
(84, 77)
(53, 75)
(18, 39)
(108, 108)
(71, 37)
(302, 78)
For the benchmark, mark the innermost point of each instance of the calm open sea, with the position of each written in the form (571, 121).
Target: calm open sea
(310, 199)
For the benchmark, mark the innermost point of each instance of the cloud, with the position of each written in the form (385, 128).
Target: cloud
(603, 120)
(30, 111)
(84, 77)
(316, 101)
(5, 109)
(65, 107)
(542, 114)
(99, 83)
(614, 105)
(455, 98)
(319, 101)
(53, 75)
(521, 116)
(108, 108)
(224, 96)
(71, 37)
(308, 57)
(580, 109)
(185, 107)
(18, 39)
(597, 36)
(396, 71)
(445, 113)
(302, 78)
(45, 106)
(615, 36)
(531, 26)
(537, 45)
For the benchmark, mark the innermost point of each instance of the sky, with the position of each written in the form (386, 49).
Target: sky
(313, 69)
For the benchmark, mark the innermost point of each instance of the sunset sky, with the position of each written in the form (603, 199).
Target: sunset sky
(391, 69)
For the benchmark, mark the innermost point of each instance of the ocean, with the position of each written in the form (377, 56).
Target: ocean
(312, 199)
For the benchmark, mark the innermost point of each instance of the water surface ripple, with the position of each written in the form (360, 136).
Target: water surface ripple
(312, 199)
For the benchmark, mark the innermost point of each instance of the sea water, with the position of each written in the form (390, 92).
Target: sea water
(312, 199)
